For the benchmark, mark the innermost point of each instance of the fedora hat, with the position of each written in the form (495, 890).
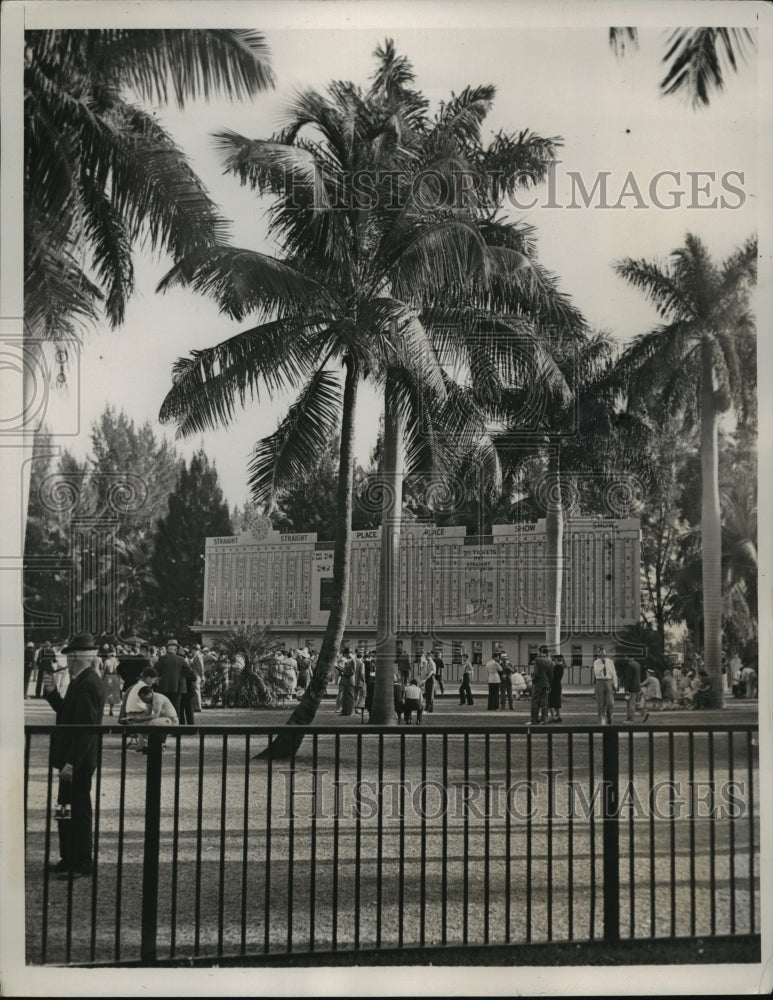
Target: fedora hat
(83, 642)
(172, 642)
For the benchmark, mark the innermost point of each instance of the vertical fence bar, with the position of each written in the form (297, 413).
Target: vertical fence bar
(401, 861)
(269, 811)
(47, 855)
(175, 850)
(245, 842)
(27, 742)
(651, 810)
(691, 822)
(712, 840)
(423, 875)
(486, 841)
(119, 848)
(291, 854)
(313, 845)
(380, 839)
(334, 935)
(631, 842)
(465, 859)
(672, 825)
(199, 833)
(508, 867)
(592, 835)
(221, 873)
(570, 837)
(358, 847)
(95, 859)
(444, 873)
(731, 832)
(551, 788)
(150, 857)
(750, 777)
(611, 834)
(528, 831)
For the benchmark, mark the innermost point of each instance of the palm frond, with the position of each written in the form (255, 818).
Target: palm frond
(699, 59)
(243, 282)
(658, 285)
(292, 450)
(191, 62)
(620, 38)
(208, 385)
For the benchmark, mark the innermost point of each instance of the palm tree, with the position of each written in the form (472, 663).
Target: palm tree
(328, 303)
(697, 362)
(101, 172)
(698, 58)
(465, 321)
(579, 432)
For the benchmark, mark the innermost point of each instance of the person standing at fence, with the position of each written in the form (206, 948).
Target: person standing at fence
(542, 676)
(75, 755)
(556, 689)
(492, 676)
(605, 679)
(630, 676)
(404, 666)
(505, 683)
(171, 681)
(429, 677)
(29, 664)
(439, 668)
(111, 679)
(369, 666)
(465, 691)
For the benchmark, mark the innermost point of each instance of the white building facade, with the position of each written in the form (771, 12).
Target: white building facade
(458, 593)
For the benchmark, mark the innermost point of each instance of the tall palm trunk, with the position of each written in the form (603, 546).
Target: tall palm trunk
(711, 535)
(554, 543)
(382, 710)
(287, 743)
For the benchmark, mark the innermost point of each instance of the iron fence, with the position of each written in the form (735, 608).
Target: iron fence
(374, 838)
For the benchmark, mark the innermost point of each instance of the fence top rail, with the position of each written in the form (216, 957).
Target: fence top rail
(411, 731)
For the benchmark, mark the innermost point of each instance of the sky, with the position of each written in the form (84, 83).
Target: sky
(558, 80)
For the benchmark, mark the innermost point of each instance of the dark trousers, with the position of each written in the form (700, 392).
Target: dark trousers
(409, 706)
(174, 697)
(75, 837)
(185, 714)
(493, 697)
(506, 694)
(429, 693)
(465, 692)
(27, 674)
(370, 687)
(439, 677)
(539, 705)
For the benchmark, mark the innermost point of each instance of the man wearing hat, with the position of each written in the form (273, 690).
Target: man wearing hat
(74, 754)
(605, 680)
(171, 675)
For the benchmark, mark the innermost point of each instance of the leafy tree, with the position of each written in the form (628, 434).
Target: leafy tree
(698, 364)
(196, 509)
(308, 502)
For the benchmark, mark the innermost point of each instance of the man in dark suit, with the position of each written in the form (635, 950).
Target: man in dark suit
(542, 678)
(75, 755)
(171, 676)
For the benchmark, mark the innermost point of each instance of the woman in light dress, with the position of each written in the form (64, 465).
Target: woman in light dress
(111, 680)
